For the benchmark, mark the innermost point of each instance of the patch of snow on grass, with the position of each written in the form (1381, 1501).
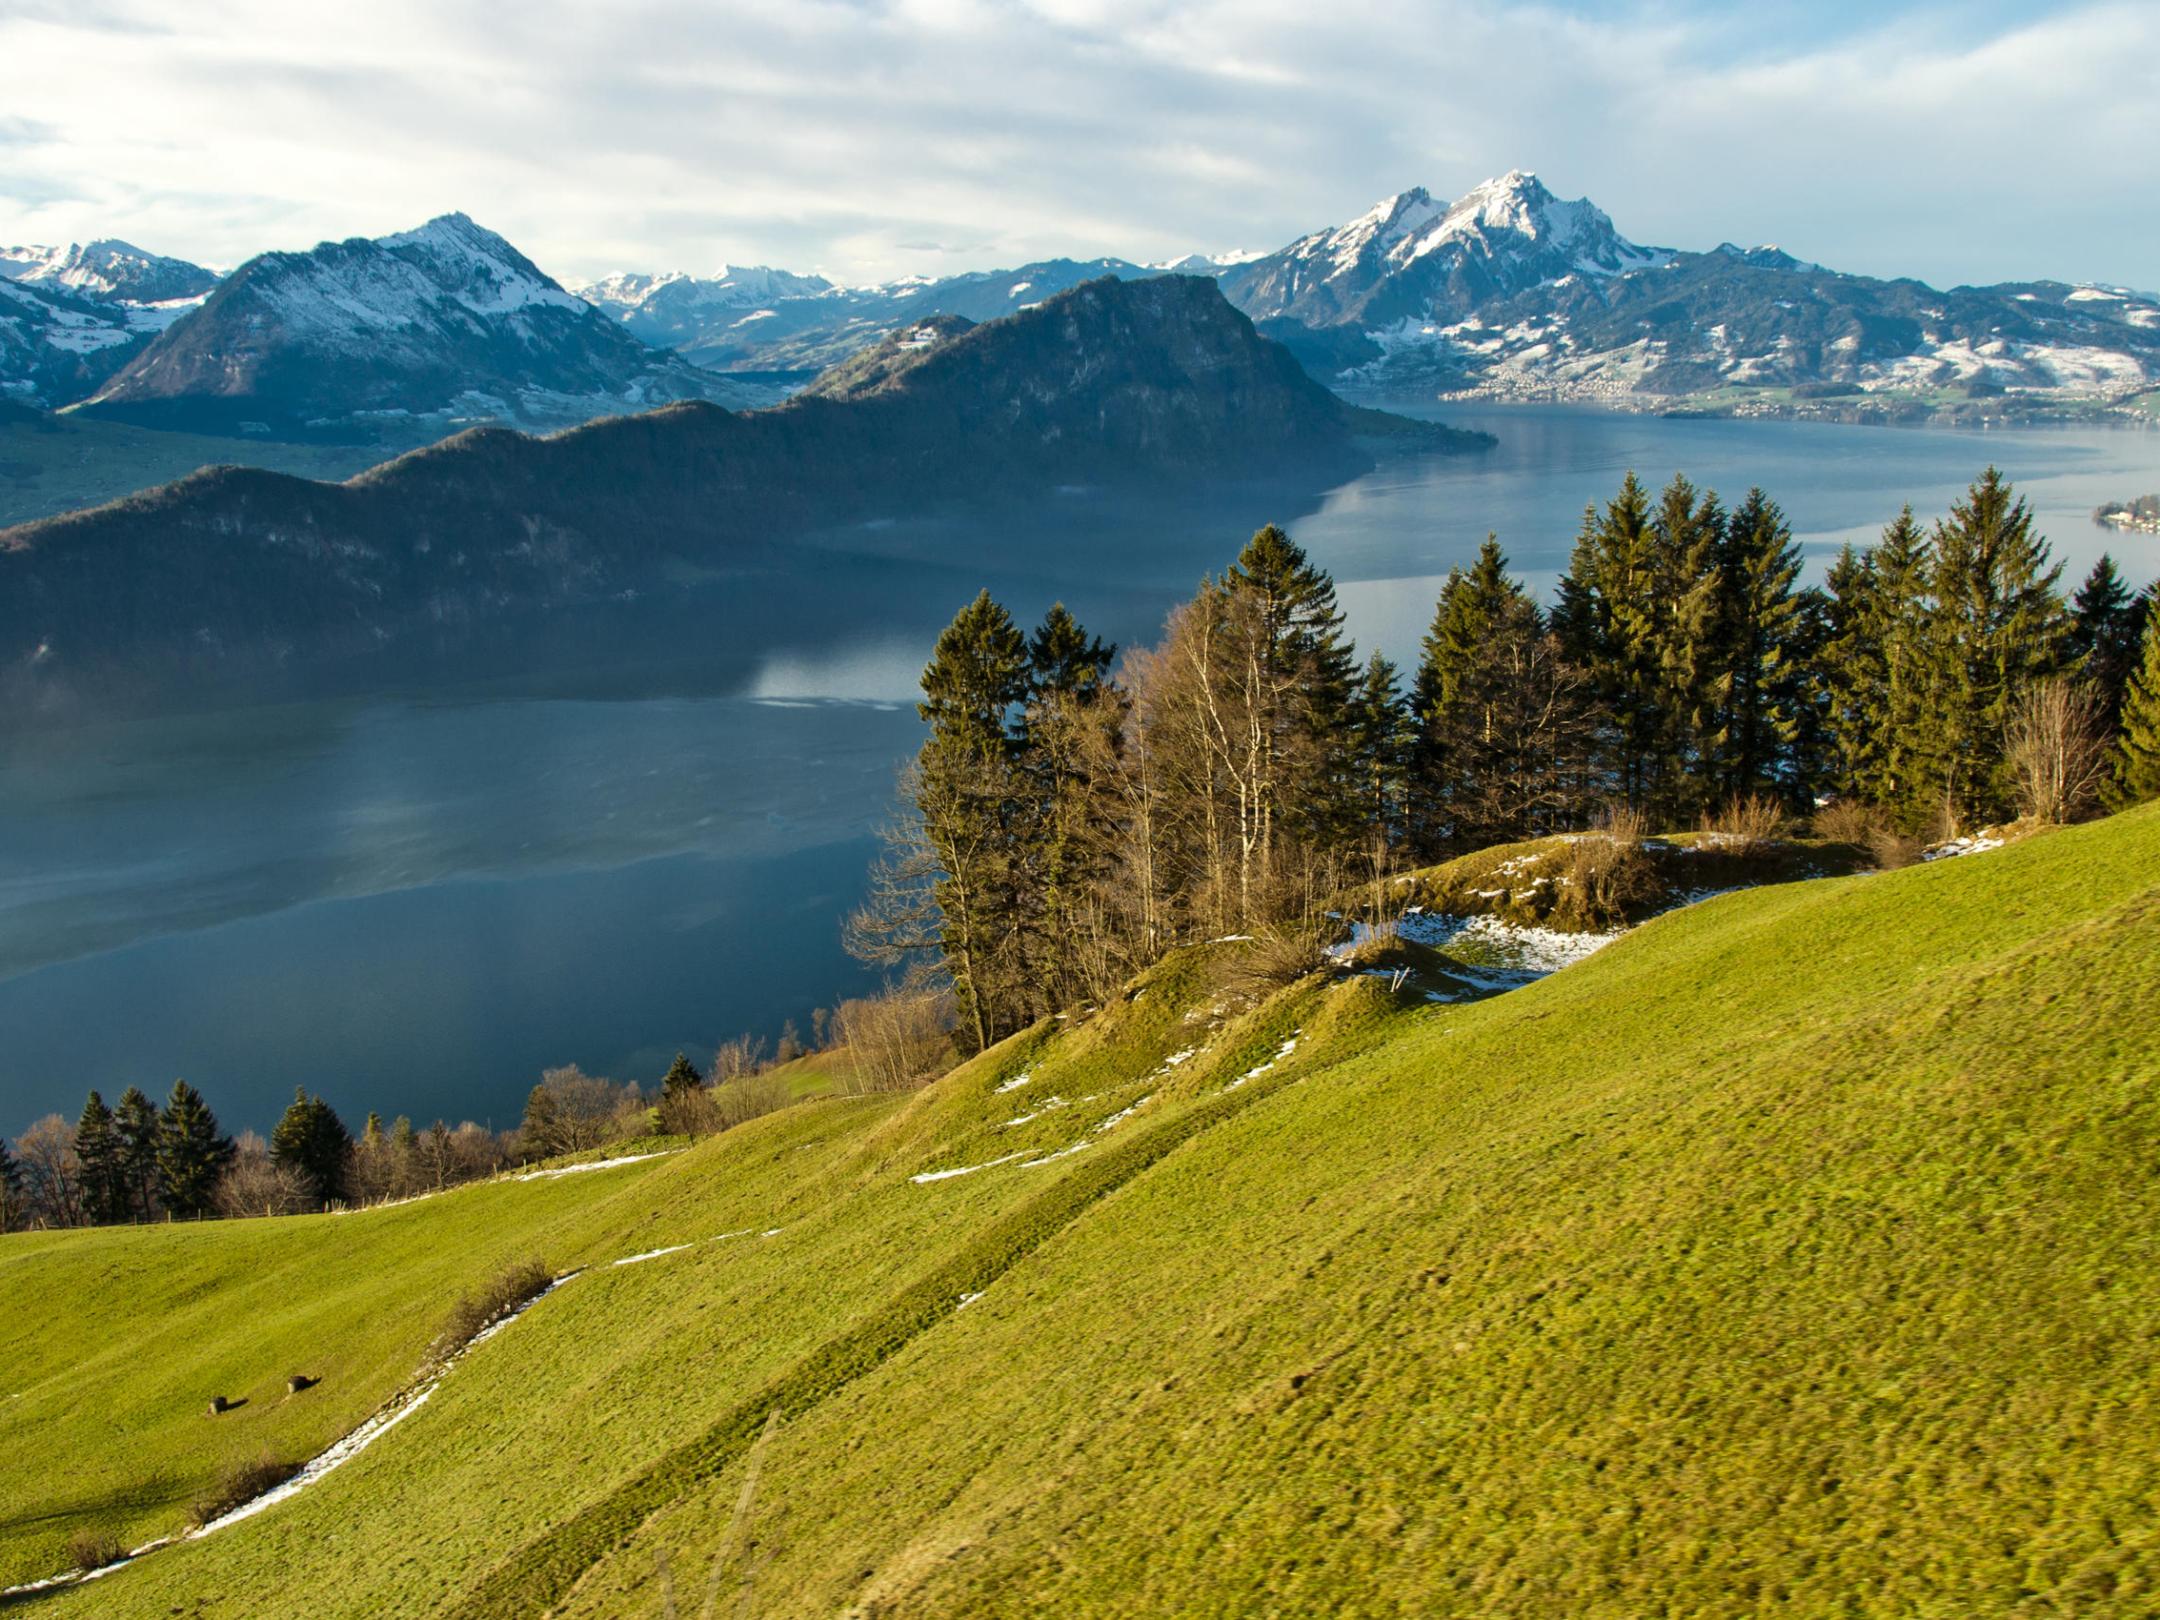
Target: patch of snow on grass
(964, 1169)
(1281, 1053)
(1970, 844)
(1047, 1158)
(1014, 1084)
(649, 1254)
(1125, 1113)
(595, 1164)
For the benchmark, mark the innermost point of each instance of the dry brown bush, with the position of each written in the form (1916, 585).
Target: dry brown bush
(1272, 958)
(1891, 849)
(901, 1037)
(1749, 825)
(256, 1184)
(1846, 821)
(94, 1549)
(239, 1483)
(751, 1097)
(1607, 874)
(474, 1312)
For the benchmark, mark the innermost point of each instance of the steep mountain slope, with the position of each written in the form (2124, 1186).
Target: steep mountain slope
(1796, 1251)
(1510, 292)
(108, 268)
(396, 336)
(1411, 258)
(1111, 383)
(58, 345)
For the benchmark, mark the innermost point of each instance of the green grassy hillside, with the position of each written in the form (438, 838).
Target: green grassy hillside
(1795, 1253)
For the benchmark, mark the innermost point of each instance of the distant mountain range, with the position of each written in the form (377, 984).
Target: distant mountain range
(1111, 383)
(1506, 292)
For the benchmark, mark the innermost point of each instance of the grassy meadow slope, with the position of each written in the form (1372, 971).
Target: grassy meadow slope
(1796, 1252)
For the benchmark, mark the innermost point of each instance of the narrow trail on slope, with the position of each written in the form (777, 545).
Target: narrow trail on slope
(542, 1573)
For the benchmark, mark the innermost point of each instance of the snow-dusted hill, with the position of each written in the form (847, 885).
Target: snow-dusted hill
(404, 334)
(1511, 292)
(1411, 256)
(107, 269)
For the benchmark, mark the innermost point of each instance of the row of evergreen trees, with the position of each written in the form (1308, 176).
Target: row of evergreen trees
(1063, 825)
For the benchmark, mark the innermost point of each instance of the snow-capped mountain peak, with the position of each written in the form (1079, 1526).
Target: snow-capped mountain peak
(474, 265)
(107, 269)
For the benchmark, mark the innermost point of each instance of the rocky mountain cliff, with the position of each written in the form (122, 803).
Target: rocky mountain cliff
(397, 337)
(1111, 383)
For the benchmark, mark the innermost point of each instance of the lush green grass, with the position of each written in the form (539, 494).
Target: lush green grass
(63, 463)
(1796, 1253)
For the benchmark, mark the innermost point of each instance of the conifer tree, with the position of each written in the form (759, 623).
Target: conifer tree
(967, 795)
(1693, 612)
(12, 1204)
(192, 1154)
(1611, 622)
(2135, 768)
(539, 1133)
(2106, 621)
(1378, 735)
(1069, 731)
(136, 1124)
(1500, 717)
(311, 1140)
(1900, 625)
(1998, 625)
(1305, 676)
(1848, 676)
(1762, 683)
(681, 1079)
(104, 1176)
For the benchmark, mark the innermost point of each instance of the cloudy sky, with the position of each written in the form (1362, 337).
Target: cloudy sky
(1976, 141)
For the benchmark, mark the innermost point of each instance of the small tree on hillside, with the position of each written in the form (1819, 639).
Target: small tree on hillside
(192, 1154)
(312, 1142)
(2135, 767)
(2057, 749)
(14, 1207)
(136, 1124)
(540, 1136)
(98, 1152)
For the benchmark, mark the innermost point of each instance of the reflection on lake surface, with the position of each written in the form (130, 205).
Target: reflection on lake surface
(412, 905)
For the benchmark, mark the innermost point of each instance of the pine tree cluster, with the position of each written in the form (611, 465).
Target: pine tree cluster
(1063, 826)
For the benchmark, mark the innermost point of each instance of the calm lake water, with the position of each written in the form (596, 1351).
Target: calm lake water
(414, 905)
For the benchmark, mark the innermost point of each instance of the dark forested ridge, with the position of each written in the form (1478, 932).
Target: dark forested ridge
(1110, 383)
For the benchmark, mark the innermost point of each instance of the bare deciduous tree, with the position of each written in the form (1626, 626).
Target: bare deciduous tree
(2056, 747)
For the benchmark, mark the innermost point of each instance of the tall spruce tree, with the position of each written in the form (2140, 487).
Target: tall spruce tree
(1308, 669)
(1998, 626)
(104, 1175)
(1500, 716)
(13, 1208)
(968, 796)
(2135, 765)
(192, 1153)
(1069, 731)
(1762, 683)
(1694, 602)
(136, 1123)
(1611, 621)
(1848, 675)
(1378, 737)
(681, 1079)
(311, 1140)
(2106, 622)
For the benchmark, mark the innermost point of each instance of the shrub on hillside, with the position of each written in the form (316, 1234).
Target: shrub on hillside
(751, 1097)
(1608, 873)
(1748, 825)
(94, 1549)
(474, 1313)
(237, 1484)
(255, 1183)
(1891, 848)
(901, 1037)
(1846, 821)
(1273, 958)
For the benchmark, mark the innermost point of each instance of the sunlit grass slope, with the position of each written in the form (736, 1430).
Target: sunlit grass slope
(1794, 1254)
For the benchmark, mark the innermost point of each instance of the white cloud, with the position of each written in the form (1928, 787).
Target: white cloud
(817, 133)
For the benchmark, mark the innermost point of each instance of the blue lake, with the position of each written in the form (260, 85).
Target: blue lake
(413, 905)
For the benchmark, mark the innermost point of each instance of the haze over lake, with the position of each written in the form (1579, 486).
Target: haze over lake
(415, 905)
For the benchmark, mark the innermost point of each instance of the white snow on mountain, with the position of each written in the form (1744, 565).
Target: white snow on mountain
(735, 287)
(106, 269)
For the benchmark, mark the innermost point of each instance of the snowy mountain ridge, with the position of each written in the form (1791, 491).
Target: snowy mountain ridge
(107, 269)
